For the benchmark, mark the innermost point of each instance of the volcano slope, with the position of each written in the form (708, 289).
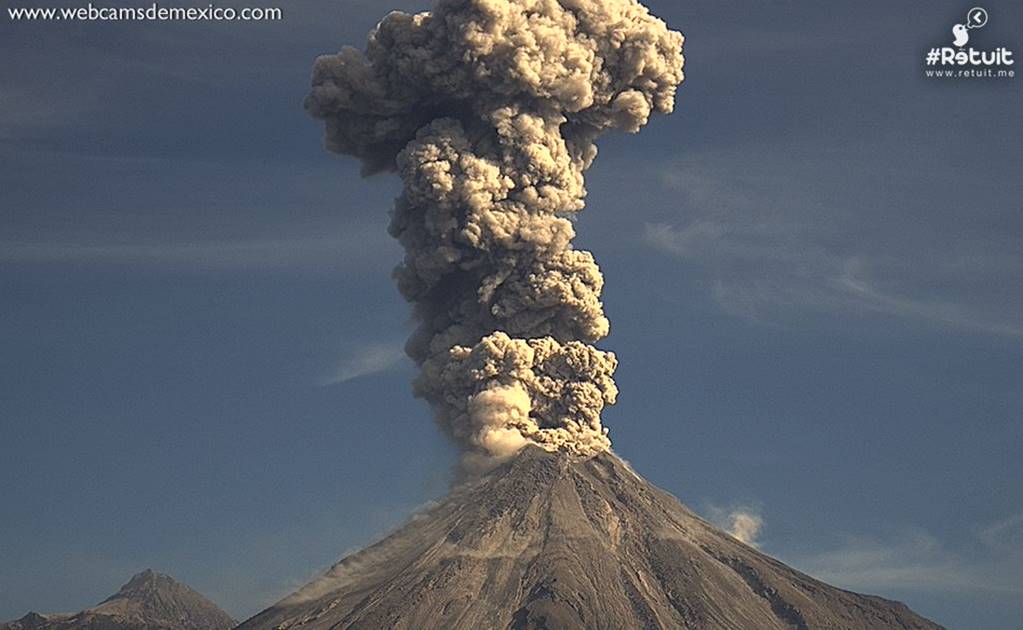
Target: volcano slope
(551, 541)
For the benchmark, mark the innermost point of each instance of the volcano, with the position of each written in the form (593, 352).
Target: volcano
(559, 542)
(148, 601)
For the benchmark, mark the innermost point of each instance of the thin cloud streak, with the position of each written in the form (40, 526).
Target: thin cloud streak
(364, 361)
(918, 561)
(954, 315)
(211, 255)
(772, 252)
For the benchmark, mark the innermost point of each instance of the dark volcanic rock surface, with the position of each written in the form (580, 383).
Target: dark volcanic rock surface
(546, 541)
(149, 601)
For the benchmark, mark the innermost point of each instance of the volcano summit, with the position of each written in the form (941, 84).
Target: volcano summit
(548, 540)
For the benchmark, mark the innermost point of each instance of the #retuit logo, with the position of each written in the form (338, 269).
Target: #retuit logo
(960, 60)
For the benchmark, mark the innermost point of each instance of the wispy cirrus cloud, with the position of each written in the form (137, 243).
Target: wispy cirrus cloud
(325, 253)
(916, 560)
(365, 360)
(859, 289)
(1004, 536)
(773, 249)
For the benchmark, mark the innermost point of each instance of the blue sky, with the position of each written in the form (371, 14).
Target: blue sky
(814, 278)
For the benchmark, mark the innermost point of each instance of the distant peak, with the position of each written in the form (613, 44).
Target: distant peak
(33, 621)
(32, 618)
(160, 600)
(148, 600)
(148, 575)
(147, 581)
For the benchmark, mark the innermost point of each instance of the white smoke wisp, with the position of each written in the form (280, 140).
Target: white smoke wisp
(489, 111)
(744, 523)
(745, 526)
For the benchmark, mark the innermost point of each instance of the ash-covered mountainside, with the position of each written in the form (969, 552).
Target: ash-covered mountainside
(149, 601)
(552, 541)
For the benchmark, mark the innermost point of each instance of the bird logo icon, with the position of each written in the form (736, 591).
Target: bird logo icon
(975, 18)
(962, 36)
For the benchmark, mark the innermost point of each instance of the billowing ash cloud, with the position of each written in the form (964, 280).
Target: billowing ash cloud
(489, 109)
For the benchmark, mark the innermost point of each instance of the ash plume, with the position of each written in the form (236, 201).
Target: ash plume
(489, 111)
